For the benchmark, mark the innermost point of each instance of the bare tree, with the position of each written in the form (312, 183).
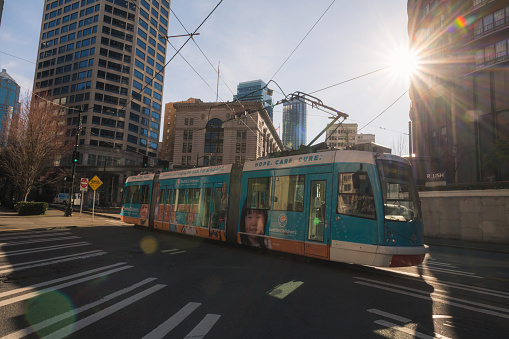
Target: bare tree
(33, 141)
(400, 146)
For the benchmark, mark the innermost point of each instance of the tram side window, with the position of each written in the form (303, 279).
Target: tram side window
(193, 200)
(145, 196)
(355, 196)
(289, 193)
(206, 207)
(136, 194)
(127, 195)
(181, 200)
(259, 193)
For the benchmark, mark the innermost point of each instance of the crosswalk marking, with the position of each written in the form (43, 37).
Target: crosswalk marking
(51, 282)
(32, 235)
(43, 249)
(203, 327)
(172, 322)
(50, 261)
(37, 327)
(80, 324)
(36, 241)
(57, 287)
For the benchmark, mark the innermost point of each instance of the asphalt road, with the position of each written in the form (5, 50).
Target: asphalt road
(113, 280)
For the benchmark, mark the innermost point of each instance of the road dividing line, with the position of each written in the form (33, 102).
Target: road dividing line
(57, 287)
(51, 282)
(80, 324)
(203, 327)
(37, 327)
(165, 328)
(407, 330)
(43, 249)
(390, 315)
(51, 261)
(445, 300)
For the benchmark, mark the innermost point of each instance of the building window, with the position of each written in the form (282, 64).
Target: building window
(214, 135)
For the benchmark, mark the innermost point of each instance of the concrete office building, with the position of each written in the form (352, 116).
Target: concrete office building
(104, 56)
(341, 136)
(294, 123)
(170, 120)
(211, 133)
(9, 99)
(460, 106)
(256, 90)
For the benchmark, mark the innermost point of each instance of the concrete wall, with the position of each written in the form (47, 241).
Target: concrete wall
(467, 215)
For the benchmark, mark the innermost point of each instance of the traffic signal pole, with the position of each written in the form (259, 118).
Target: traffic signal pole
(75, 158)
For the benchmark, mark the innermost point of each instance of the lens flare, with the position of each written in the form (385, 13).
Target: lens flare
(461, 22)
(148, 245)
(46, 306)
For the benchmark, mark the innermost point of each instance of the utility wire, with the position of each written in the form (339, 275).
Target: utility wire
(385, 110)
(17, 57)
(357, 77)
(320, 18)
(178, 51)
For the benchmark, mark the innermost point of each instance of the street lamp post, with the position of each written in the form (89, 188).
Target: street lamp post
(70, 198)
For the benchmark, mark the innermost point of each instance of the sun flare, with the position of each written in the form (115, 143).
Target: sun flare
(404, 63)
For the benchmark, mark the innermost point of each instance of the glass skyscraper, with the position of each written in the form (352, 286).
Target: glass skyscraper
(106, 57)
(9, 97)
(256, 90)
(294, 123)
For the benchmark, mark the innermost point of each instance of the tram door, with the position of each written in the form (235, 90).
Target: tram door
(319, 215)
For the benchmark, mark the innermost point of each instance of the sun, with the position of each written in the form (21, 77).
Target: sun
(404, 64)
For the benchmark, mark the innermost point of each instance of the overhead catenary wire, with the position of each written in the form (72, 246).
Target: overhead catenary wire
(304, 38)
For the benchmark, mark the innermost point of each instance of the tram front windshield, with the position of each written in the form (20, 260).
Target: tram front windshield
(401, 201)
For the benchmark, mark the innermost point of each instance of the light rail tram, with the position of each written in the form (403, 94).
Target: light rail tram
(345, 206)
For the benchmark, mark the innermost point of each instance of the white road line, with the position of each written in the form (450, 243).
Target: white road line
(57, 287)
(43, 249)
(456, 272)
(480, 290)
(35, 236)
(390, 315)
(80, 324)
(407, 330)
(26, 234)
(436, 263)
(36, 241)
(178, 252)
(50, 282)
(172, 322)
(445, 300)
(37, 327)
(172, 250)
(45, 262)
(203, 327)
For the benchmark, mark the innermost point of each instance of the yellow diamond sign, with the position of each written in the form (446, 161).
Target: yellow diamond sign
(95, 182)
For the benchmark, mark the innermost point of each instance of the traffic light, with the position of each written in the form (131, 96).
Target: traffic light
(75, 157)
(145, 161)
(166, 165)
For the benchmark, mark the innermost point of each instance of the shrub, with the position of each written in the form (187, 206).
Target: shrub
(31, 208)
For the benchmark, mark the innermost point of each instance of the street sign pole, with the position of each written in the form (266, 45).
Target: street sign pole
(83, 187)
(95, 182)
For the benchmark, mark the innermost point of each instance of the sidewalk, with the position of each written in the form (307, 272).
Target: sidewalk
(54, 218)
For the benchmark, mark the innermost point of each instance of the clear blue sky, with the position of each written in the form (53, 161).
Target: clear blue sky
(252, 40)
